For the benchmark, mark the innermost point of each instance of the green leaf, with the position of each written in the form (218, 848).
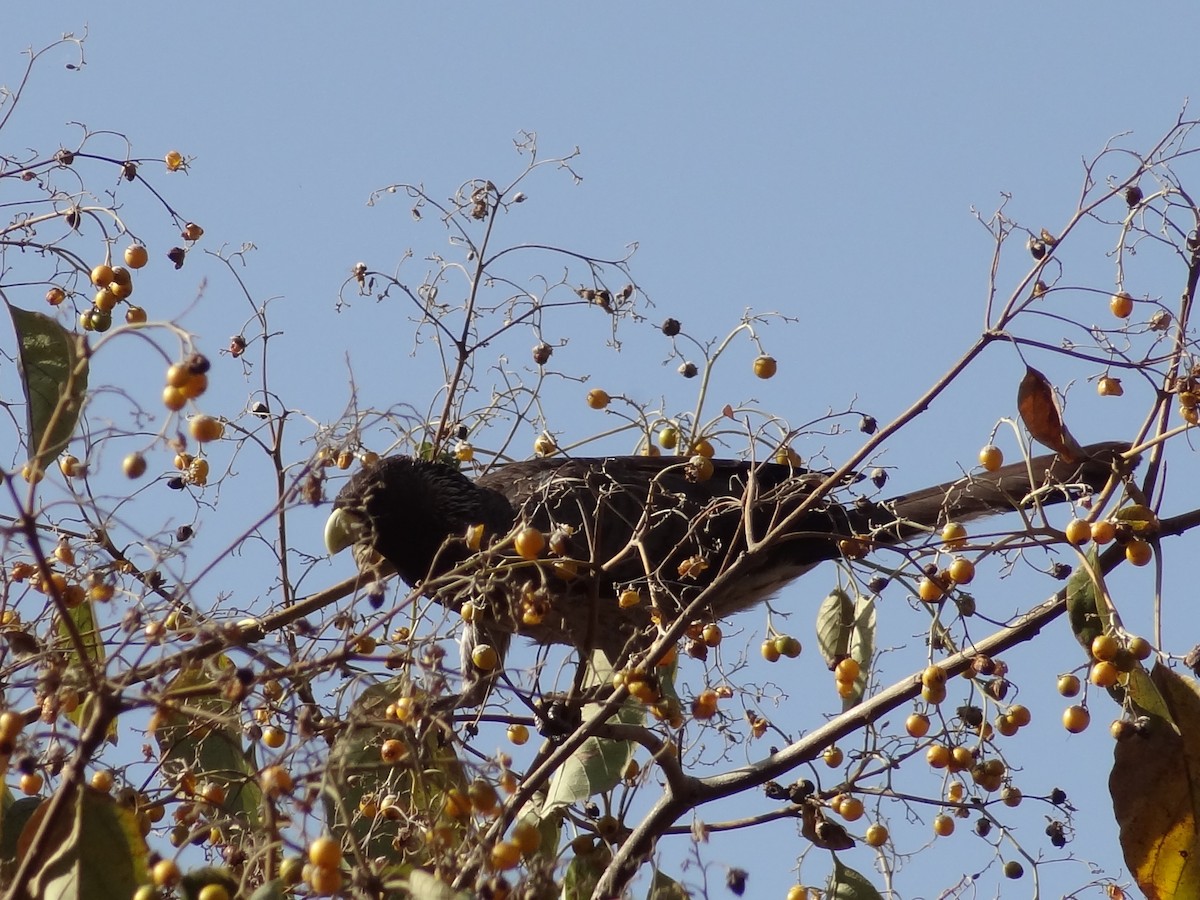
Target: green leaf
(198, 879)
(16, 814)
(835, 621)
(54, 375)
(93, 652)
(862, 647)
(583, 873)
(206, 737)
(598, 765)
(270, 890)
(847, 884)
(98, 851)
(664, 887)
(1086, 611)
(424, 886)
(418, 783)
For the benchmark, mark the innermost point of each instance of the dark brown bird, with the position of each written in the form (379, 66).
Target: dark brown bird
(650, 525)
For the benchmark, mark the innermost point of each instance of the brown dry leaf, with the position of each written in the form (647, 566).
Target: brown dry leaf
(1155, 786)
(1039, 411)
(821, 832)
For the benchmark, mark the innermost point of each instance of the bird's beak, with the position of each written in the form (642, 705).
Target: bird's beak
(341, 531)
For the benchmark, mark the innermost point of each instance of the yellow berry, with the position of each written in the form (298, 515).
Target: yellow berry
(325, 879)
(929, 590)
(851, 809)
(136, 256)
(962, 570)
(166, 873)
(1068, 685)
(134, 465)
(938, 756)
(1076, 719)
(505, 855)
(102, 275)
(1103, 674)
(174, 160)
(205, 428)
(833, 756)
(668, 437)
(518, 733)
(598, 399)
(954, 535)
(765, 366)
(1108, 386)
(991, 458)
(769, 651)
(274, 737)
(135, 315)
(325, 851)
(1079, 532)
(102, 780)
(529, 543)
(485, 657)
(1105, 647)
(527, 837)
(876, 835)
(943, 825)
(917, 725)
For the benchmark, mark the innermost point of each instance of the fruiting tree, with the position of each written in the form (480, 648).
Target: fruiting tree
(188, 709)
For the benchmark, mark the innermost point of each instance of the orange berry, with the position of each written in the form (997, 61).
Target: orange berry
(876, 835)
(102, 275)
(847, 669)
(833, 756)
(1121, 305)
(1138, 552)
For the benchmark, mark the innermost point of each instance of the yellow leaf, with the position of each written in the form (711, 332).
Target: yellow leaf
(1155, 787)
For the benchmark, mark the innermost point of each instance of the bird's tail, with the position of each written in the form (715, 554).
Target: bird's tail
(1040, 481)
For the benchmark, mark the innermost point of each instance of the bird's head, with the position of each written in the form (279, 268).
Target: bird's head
(405, 509)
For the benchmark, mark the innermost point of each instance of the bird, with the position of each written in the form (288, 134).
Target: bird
(663, 531)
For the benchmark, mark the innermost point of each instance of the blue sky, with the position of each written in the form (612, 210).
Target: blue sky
(819, 160)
